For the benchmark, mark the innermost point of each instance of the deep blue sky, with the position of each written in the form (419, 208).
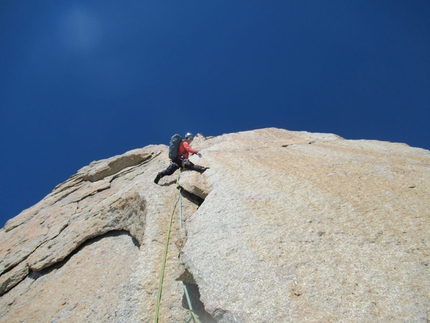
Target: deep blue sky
(86, 80)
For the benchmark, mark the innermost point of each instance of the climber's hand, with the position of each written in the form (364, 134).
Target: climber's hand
(199, 154)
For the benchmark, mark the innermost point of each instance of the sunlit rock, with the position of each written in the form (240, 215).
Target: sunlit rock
(283, 227)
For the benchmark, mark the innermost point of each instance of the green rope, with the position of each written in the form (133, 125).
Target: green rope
(163, 267)
(193, 315)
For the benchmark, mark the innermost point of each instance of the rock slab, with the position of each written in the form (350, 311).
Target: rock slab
(284, 227)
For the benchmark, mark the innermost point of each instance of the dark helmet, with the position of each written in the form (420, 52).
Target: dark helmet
(189, 136)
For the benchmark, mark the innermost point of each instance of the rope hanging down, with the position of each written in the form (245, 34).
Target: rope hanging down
(187, 295)
(163, 267)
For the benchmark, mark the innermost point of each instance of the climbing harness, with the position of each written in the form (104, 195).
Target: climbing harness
(194, 316)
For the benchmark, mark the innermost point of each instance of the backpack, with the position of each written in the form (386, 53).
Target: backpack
(174, 146)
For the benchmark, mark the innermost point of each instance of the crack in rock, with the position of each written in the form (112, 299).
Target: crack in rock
(194, 296)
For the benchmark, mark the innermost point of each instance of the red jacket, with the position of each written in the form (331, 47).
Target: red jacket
(185, 149)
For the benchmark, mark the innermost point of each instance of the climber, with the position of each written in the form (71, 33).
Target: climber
(181, 159)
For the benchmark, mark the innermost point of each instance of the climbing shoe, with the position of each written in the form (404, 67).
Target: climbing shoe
(203, 169)
(157, 179)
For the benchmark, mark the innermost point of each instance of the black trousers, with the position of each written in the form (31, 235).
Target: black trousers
(177, 163)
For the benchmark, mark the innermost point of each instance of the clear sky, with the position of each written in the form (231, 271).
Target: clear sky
(87, 80)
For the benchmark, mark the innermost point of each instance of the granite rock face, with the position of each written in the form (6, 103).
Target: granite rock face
(284, 227)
